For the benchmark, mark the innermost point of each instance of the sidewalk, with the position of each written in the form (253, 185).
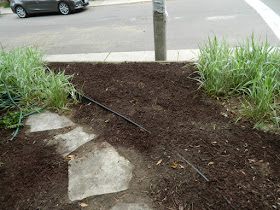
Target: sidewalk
(92, 3)
(187, 55)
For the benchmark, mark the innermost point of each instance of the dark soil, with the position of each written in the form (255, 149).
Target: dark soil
(241, 163)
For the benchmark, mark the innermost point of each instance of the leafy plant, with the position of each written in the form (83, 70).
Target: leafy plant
(25, 69)
(250, 70)
(26, 82)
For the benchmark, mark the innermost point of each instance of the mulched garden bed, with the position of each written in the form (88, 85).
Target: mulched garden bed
(241, 163)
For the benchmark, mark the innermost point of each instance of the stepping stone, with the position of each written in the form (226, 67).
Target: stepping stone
(131, 206)
(98, 172)
(47, 121)
(69, 142)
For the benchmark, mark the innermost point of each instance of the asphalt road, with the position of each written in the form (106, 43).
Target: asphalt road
(125, 28)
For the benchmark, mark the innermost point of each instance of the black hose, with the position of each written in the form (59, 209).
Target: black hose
(206, 179)
(86, 99)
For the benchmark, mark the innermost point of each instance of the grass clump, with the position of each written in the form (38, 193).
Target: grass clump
(25, 69)
(26, 84)
(251, 70)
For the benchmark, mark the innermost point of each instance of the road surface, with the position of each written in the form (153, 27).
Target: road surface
(125, 28)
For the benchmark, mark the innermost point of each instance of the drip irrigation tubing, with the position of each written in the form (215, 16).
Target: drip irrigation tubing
(206, 179)
(21, 115)
(20, 110)
(87, 99)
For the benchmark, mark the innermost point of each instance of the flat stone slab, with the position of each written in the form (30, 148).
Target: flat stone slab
(98, 172)
(69, 142)
(47, 121)
(131, 206)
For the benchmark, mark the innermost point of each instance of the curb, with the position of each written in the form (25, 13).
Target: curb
(186, 55)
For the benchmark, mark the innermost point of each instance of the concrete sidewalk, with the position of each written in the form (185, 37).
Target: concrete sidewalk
(189, 55)
(94, 3)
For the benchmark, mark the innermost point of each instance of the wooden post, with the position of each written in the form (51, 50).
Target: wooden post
(159, 19)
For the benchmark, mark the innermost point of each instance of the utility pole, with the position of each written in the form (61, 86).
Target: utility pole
(159, 14)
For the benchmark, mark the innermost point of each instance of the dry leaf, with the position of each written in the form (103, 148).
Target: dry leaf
(224, 114)
(214, 126)
(106, 121)
(159, 162)
(213, 142)
(83, 205)
(210, 163)
(174, 165)
(181, 166)
(242, 172)
(251, 160)
(71, 157)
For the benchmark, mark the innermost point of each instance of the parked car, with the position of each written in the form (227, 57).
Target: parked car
(25, 7)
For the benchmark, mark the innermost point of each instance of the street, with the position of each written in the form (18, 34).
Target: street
(129, 27)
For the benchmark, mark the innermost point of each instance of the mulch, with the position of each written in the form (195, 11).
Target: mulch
(241, 163)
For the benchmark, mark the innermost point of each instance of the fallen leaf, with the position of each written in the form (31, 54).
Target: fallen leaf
(71, 157)
(106, 121)
(213, 142)
(83, 204)
(181, 166)
(214, 126)
(251, 160)
(174, 165)
(210, 163)
(242, 172)
(224, 114)
(159, 162)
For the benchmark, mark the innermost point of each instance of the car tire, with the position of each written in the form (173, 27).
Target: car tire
(64, 8)
(21, 12)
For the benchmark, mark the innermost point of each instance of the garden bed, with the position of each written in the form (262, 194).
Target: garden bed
(242, 164)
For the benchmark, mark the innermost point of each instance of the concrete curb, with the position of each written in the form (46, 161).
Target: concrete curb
(187, 55)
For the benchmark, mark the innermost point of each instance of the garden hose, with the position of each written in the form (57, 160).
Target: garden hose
(21, 115)
(20, 110)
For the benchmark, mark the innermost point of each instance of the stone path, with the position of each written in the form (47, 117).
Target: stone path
(99, 171)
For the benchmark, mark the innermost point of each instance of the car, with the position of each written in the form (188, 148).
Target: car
(25, 7)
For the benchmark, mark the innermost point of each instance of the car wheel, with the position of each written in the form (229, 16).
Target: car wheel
(21, 12)
(64, 8)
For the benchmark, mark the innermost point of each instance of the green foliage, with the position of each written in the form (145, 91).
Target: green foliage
(28, 80)
(251, 70)
(5, 4)
(24, 68)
